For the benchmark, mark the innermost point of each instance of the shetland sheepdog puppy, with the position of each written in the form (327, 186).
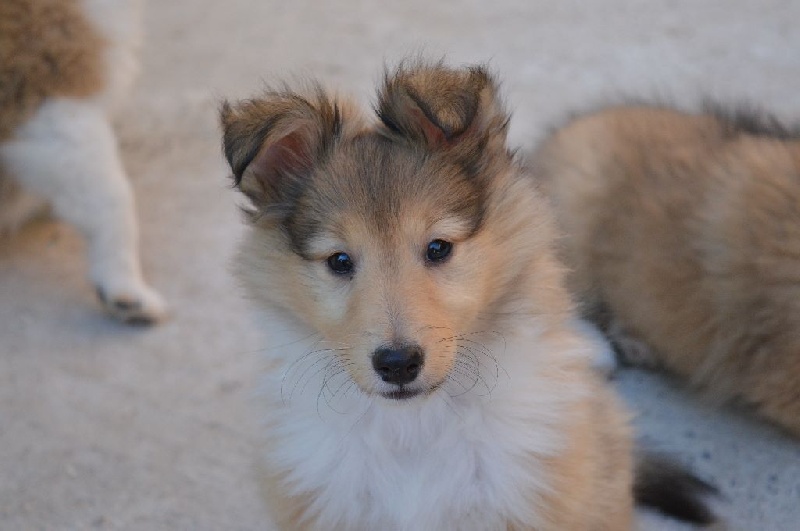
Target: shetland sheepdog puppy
(426, 368)
(683, 234)
(62, 63)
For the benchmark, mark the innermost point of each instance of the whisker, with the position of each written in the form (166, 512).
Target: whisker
(341, 368)
(316, 373)
(464, 387)
(474, 374)
(275, 347)
(347, 381)
(324, 386)
(478, 365)
(487, 352)
(431, 327)
(302, 376)
(297, 381)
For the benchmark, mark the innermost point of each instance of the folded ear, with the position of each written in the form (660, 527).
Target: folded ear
(442, 108)
(272, 143)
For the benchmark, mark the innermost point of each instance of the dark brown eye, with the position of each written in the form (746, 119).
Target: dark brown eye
(438, 250)
(340, 263)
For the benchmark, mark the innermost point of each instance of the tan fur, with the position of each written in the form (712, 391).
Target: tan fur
(47, 48)
(287, 512)
(686, 229)
(592, 478)
(278, 143)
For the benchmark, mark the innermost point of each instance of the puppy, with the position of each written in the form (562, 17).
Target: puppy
(426, 370)
(62, 63)
(683, 231)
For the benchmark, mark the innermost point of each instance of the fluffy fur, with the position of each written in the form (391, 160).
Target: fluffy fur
(684, 235)
(506, 426)
(62, 65)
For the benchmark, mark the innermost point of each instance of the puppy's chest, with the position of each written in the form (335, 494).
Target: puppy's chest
(421, 473)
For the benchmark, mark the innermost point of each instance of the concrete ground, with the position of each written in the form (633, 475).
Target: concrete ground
(108, 427)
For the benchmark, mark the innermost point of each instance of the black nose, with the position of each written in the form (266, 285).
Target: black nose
(398, 365)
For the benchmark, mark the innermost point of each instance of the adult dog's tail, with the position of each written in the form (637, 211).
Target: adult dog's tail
(663, 485)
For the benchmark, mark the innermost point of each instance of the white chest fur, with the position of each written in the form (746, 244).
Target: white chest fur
(468, 460)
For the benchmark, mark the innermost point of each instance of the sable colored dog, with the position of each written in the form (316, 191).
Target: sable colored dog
(684, 234)
(62, 63)
(426, 371)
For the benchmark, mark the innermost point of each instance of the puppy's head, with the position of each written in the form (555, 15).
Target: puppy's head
(370, 234)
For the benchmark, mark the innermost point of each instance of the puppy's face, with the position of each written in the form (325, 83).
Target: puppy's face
(372, 234)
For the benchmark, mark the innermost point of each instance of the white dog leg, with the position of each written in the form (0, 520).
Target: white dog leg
(67, 154)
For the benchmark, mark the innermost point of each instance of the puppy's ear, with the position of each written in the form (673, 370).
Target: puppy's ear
(272, 143)
(442, 108)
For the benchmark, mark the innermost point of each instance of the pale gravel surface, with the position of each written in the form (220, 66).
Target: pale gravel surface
(105, 427)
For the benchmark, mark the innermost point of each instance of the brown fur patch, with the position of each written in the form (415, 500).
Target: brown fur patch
(47, 48)
(687, 228)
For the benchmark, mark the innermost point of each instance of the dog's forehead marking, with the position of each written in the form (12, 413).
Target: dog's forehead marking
(375, 188)
(392, 180)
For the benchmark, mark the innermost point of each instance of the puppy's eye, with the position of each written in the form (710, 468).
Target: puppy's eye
(340, 263)
(438, 251)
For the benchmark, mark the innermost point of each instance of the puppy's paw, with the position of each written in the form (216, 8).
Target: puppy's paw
(138, 305)
(603, 359)
(631, 350)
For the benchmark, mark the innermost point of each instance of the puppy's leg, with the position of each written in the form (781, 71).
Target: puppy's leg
(603, 359)
(67, 154)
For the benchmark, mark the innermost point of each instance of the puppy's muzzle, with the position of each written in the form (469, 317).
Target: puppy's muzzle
(398, 365)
